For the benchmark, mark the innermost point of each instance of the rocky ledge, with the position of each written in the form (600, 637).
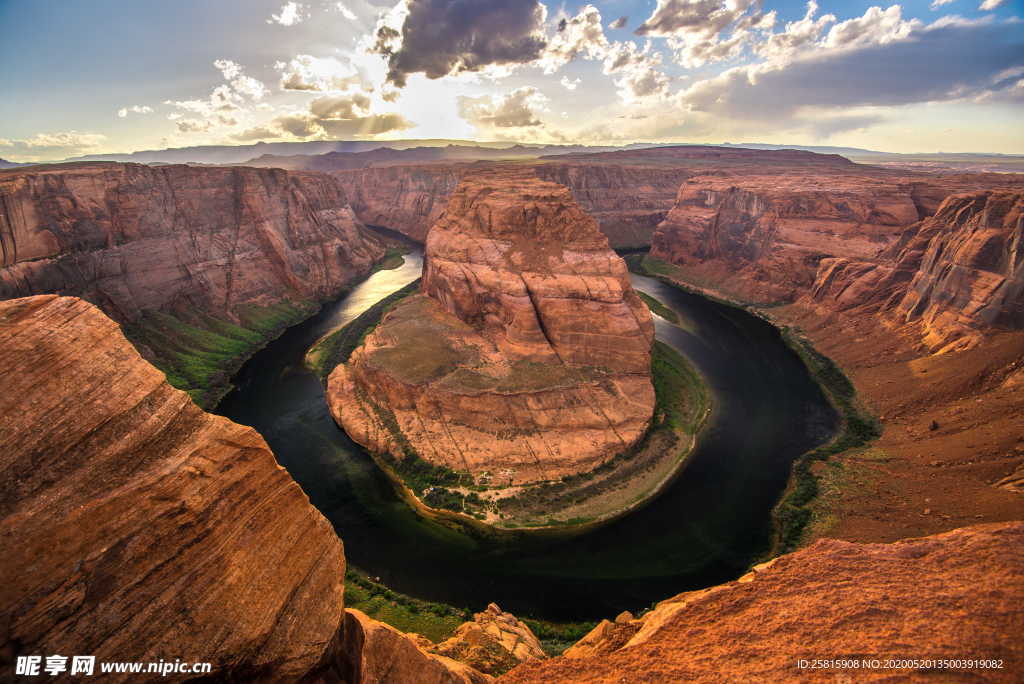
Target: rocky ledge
(525, 358)
(949, 596)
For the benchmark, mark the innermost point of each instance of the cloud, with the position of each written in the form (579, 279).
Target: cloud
(989, 5)
(51, 146)
(245, 85)
(696, 29)
(135, 109)
(345, 11)
(576, 37)
(936, 4)
(344, 107)
(306, 72)
(513, 110)
(291, 13)
(892, 66)
(619, 23)
(570, 84)
(442, 37)
(638, 76)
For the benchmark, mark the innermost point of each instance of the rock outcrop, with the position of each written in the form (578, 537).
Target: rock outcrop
(950, 596)
(131, 238)
(526, 357)
(137, 527)
(628, 201)
(958, 273)
(493, 642)
(375, 653)
(762, 236)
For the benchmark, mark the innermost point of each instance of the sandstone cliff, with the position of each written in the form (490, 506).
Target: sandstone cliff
(493, 642)
(526, 358)
(952, 596)
(236, 253)
(137, 527)
(761, 237)
(958, 273)
(628, 201)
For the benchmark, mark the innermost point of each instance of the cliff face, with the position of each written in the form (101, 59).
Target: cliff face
(938, 597)
(762, 237)
(627, 201)
(137, 527)
(527, 357)
(133, 238)
(958, 273)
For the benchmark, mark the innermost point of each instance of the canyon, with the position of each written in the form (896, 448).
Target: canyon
(526, 356)
(202, 265)
(138, 525)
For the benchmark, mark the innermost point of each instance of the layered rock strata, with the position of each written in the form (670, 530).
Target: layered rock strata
(958, 273)
(137, 527)
(525, 358)
(132, 238)
(493, 642)
(761, 237)
(938, 597)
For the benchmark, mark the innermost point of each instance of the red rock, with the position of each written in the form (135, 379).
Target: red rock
(131, 238)
(526, 358)
(136, 527)
(949, 596)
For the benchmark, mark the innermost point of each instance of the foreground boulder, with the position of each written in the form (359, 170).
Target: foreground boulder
(949, 596)
(493, 642)
(525, 358)
(137, 527)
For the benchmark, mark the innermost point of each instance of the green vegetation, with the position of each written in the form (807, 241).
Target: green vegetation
(555, 637)
(199, 353)
(794, 512)
(436, 621)
(681, 404)
(334, 349)
(658, 308)
(393, 258)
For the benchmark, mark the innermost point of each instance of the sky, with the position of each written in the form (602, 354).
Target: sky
(87, 77)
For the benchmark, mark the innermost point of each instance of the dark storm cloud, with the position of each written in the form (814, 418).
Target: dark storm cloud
(969, 55)
(441, 37)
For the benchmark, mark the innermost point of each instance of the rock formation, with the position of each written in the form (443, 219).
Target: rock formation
(493, 642)
(131, 238)
(526, 358)
(950, 596)
(375, 653)
(959, 273)
(137, 527)
(761, 236)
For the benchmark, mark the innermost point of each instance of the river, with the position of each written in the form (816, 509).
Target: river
(705, 528)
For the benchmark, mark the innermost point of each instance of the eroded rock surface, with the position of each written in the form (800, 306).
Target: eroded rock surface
(958, 273)
(761, 237)
(131, 238)
(137, 527)
(493, 642)
(937, 597)
(526, 358)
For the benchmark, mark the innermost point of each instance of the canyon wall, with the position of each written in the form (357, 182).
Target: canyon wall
(957, 274)
(949, 596)
(763, 236)
(526, 358)
(627, 201)
(136, 527)
(132, 238)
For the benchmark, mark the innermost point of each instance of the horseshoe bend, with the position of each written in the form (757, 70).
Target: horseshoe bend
(444, 342)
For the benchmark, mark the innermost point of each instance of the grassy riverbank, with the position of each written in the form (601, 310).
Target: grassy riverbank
(200, 353)
(573, 503)
(858, 427)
